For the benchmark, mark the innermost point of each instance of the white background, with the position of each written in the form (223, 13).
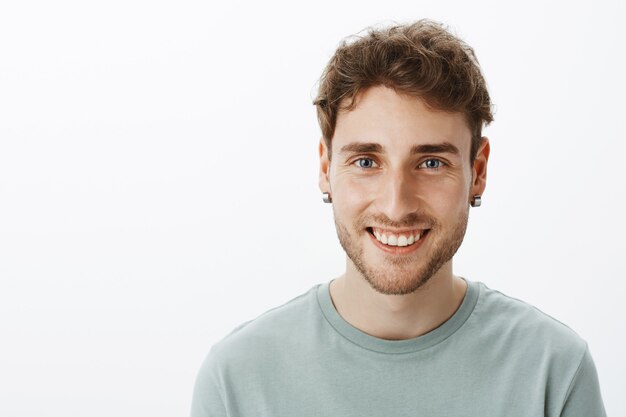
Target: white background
(158, 182)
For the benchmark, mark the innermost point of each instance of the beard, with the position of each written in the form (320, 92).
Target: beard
(400, 275)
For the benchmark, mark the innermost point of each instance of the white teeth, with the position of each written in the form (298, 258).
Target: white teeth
(394, 240)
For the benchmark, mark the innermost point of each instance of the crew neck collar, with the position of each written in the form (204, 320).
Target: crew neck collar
(377, 344)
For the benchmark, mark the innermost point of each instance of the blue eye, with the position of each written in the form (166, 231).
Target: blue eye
(365, 165)
(432, 163)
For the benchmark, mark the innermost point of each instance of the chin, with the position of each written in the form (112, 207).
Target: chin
(400, 283)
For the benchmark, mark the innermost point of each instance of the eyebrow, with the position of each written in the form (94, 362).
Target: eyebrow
(372, 147)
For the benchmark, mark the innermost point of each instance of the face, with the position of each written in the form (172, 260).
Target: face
(401, 183)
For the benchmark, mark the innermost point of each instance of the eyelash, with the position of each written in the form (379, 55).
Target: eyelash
(442, 164)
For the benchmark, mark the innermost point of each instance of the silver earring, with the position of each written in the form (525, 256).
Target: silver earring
(326, 197)
(476, 201)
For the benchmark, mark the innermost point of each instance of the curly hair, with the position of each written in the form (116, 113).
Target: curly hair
(422, 59)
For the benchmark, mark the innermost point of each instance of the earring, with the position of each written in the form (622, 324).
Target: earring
(476, 201)
(326, 197)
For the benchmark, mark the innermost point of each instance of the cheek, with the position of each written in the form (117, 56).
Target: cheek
(350, 198)
(353, 189)
(447, 197)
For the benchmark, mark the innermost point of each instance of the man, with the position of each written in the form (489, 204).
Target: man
(402, 160)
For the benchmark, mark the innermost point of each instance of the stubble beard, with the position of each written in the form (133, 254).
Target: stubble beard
(397, 275)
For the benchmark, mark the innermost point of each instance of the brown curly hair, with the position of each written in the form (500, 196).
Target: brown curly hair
(422, 59)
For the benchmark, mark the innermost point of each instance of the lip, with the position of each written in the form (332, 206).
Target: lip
(398, 231)
(399, 250)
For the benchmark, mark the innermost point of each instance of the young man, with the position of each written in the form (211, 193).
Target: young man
(402, 160)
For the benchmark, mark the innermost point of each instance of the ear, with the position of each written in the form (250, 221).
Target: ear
(479, 174)
(324, 181)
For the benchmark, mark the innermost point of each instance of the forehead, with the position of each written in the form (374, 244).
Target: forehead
(399, 122)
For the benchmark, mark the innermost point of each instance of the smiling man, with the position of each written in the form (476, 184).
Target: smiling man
(402, 180)
(402, 160)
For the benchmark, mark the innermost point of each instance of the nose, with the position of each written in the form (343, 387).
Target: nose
(399, 194)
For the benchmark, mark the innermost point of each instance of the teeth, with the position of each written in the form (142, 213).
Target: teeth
(397, 240)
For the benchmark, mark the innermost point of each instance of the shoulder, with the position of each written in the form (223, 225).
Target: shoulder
(538, 349)
(527, 327)
(268, 331)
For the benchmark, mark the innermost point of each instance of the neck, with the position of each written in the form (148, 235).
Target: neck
(397, 317)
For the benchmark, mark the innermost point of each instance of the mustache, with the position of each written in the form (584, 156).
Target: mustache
(415, 219)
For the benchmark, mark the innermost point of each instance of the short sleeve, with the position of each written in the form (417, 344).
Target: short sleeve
(583, 398)
(207, 398)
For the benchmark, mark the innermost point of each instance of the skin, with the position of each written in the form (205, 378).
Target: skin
(385, 295)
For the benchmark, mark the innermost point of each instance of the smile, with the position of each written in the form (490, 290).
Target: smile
(405, 238)
(398, 242)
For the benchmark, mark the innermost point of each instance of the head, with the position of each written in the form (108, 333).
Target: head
(402, 153)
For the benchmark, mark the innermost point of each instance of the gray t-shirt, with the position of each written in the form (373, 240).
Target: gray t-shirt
(496, 356)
